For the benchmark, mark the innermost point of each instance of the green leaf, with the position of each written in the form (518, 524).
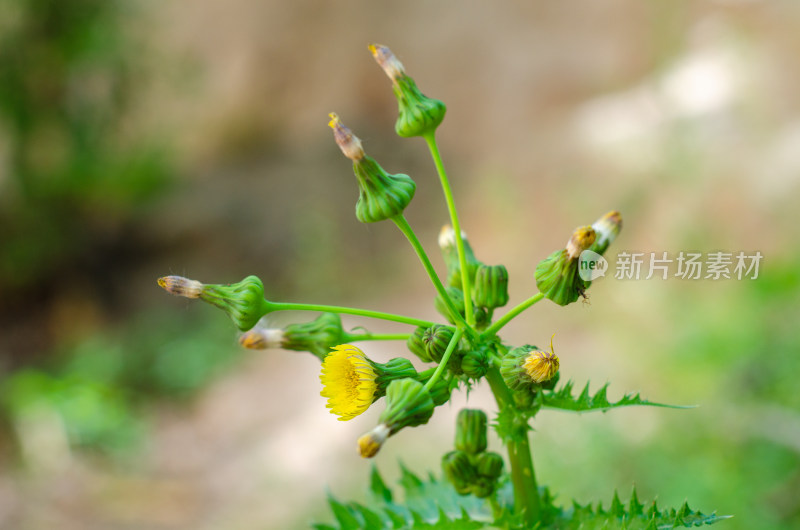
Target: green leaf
(428, 504)
(630, 517)
(378, 487)
(562, 398)
(434, 504)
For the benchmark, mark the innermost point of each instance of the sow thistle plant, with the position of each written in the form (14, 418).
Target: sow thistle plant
(479, 488)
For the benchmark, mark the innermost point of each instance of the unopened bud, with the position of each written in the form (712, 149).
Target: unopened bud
(489, 465)
(417, 346)
(417, 114)
(491, 286)
(557, 275)
(447, 243)
(436, 339)
(380, 194)
(527, 367)
(459, 471)
(243, 301)
(317, 336)
(408, 404)
(475, 363)
(471, 431)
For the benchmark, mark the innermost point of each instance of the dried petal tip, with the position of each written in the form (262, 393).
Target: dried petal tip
(447, 237)
(581, 239)
(386, 59)
(371, 443)
(607, 229)
(345, 139)
(262, 339)
(180, 286)
(540, 365)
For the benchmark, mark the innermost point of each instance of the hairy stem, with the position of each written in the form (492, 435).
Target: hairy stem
(466, 282)
(526, 493)
(511, 315)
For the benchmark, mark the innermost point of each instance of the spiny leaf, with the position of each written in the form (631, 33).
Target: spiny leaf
(563, 399)
(343, 514)
(632, 517)
(378, 487)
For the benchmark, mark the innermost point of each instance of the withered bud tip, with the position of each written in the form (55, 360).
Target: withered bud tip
(345, 139)
(180, 286)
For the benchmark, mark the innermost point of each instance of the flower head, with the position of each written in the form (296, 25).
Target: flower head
(349, 382)
(540, 365)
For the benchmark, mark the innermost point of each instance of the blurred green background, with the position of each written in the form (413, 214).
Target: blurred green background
(139, 139)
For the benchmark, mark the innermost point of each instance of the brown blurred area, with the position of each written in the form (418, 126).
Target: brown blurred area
(685, 116)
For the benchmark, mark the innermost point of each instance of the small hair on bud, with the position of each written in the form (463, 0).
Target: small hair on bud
(581, 239)
(371, 443)
(387, 60)
(345, 139)
(262, 339)
(180, 286)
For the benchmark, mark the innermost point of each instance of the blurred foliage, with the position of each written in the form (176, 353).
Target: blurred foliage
(97, 387)
(76, 168)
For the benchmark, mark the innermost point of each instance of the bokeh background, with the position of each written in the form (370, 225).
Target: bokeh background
(139, 139)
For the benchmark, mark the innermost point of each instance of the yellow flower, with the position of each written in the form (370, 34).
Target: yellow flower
(540, 365)
(349, 381)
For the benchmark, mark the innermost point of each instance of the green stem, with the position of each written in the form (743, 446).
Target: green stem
(404, 227)
(508, 317)
(283, 306)
(466, 286)
(353, 337)
(446, 357)
(526, 492)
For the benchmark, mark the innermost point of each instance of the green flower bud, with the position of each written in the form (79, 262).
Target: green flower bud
(448, 245)
(491, 286)
(471, 431)
(408, 404)
(243, 302)
(557, 275)
(527, 367)
(459, 471)
(607, 229)
(440, 392)
(511, 368)
(317, 336)
(482, 487)
(475, 363)
(417, 346)
(489, 465)
(436, 339)
(381, 195)
(418, 114)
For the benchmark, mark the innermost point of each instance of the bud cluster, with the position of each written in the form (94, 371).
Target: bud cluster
(470, 468)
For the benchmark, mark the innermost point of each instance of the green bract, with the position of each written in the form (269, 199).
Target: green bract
(243, 301)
